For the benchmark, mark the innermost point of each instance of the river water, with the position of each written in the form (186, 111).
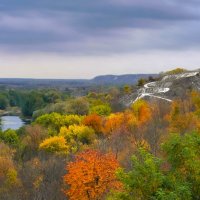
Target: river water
(11, 122)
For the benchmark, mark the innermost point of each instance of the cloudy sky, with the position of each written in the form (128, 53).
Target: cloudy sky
(84, 38)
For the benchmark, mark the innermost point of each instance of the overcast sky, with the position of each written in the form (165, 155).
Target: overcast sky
(85, 38)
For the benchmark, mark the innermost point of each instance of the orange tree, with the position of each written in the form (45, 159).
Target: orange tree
(94, 121)
(91, 175)
(113, 122)
(141, 110)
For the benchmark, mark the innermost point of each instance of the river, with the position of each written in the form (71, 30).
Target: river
(11, 122)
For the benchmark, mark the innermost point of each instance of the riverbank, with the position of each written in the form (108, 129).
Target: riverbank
(15, 111)
(11, 111)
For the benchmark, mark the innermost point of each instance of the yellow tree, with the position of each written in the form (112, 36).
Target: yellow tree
(113, 122)
(142, 111)
(56, 144)
(8, 174)
(181, 119)
(137, 119)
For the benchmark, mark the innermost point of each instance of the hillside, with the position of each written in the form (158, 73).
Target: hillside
(119, 79)
(167, 88)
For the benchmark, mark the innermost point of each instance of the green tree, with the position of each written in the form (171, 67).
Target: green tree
(3, 102)
(79, 106)
(51, 121)
(175, 71)
(14, 97)
(148, 180)
(144, 179)
(127, 89)
(101, 110)
(141, 82)
(183, 154)
(31, 102)
(10, 137)
(55, 121)
(51, 96)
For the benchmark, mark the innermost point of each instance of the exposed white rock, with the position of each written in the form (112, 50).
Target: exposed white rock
(178, 76)
(153, 89)
(150, 89)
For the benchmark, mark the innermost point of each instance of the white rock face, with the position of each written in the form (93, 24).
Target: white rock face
(152, 90)
(178, 76)
(155, 89)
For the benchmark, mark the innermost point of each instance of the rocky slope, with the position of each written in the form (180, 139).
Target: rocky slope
(166, 88)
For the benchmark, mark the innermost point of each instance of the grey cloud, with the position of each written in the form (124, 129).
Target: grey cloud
(109, 26)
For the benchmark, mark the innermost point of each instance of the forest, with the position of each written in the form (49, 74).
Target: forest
(92, 147)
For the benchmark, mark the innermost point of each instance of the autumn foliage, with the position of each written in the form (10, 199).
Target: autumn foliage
(182, 118)
(142, 111)
(91, 175)
(94, 148)
(113, 122)
(94, 121)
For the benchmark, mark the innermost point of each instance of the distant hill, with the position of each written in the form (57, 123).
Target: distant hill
(61, 83)
(34, 83)
(119, 79)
